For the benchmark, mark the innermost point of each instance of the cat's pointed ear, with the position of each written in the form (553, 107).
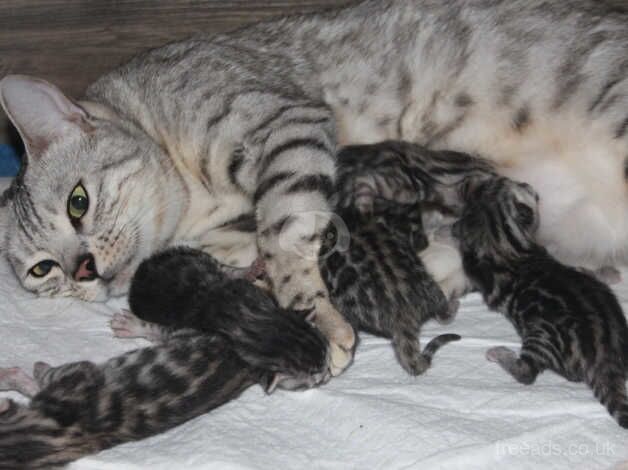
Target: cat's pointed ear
(40, 112)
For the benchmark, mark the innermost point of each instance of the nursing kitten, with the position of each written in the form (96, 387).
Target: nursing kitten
(81, 408)
(185, 288)
(408, 173)
(195, 140)
(378, 281)
(405, 173)
(569, 322)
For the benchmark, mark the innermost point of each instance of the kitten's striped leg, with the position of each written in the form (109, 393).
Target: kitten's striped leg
(522, 368)
(295, 180)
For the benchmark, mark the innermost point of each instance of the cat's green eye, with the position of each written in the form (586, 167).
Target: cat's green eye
(78, 203)
(42, 268)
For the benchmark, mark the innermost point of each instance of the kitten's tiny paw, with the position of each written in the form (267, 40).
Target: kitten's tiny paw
(609, 275)
(126, 325)
(499, 353)
(450, 314)
(257, 270)
(5, 404)
(416, 365)
(14, 378)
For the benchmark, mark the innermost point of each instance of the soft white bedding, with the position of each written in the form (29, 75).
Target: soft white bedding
(464, 413)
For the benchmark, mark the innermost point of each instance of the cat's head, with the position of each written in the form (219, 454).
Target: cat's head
(500, 218)
(92, 201)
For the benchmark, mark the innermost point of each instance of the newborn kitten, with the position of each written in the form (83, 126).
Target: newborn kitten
(185, 288)
(406, 173)
(409, 173)
(379, 283)
(569, 321)
(81, 408)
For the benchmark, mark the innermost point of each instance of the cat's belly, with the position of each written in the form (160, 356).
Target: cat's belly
(574, 163)
(577, 167)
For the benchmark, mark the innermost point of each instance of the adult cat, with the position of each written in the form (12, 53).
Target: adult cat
(228, 142)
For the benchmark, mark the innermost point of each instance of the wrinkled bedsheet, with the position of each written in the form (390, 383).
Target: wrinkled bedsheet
(464, 413)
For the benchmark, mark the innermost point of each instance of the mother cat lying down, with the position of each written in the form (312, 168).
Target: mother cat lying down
(228, 142)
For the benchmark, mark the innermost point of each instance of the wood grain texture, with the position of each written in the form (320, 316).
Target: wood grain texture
(73, 42)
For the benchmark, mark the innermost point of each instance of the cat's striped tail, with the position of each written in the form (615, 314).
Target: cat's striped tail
(31, 440)
(609, 386)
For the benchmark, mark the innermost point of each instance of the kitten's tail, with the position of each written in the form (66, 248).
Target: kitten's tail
(436, 343)
(30, 440)
(412, 359)
(609, 386)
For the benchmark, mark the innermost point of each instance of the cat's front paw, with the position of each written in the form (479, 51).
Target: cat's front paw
(340, 335)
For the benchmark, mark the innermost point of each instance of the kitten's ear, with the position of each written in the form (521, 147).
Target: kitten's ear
(40, 112)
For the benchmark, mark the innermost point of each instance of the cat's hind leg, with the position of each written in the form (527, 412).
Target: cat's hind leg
(15, 379)
(522, 368)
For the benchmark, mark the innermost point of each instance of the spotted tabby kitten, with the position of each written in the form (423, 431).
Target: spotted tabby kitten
(407, 174)
(192, 141)
(569, 322)
(186, 288)
(81, 408)
(378, 282)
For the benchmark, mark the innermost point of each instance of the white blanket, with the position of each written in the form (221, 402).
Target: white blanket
(464, 413)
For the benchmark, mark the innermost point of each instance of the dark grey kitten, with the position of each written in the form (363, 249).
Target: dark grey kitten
(186, 288)
(81, 408)
(569, 321)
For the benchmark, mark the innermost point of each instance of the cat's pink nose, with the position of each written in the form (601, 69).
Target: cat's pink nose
(86, 268)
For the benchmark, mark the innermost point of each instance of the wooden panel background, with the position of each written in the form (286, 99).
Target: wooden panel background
(72, 42)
